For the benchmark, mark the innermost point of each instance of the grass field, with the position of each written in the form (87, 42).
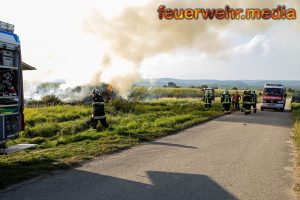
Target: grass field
(296, 121)
(144, 93)
(64, 140)
(296, 127)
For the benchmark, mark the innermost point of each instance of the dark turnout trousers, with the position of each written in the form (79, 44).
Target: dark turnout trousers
(102, 119)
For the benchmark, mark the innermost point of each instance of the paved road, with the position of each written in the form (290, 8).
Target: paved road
(232, 157)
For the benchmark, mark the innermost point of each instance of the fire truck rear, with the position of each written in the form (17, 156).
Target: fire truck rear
(11, 84)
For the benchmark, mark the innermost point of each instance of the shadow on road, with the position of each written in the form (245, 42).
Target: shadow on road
(279, 119)
(171, 144)
(78, 184)
(17, 171)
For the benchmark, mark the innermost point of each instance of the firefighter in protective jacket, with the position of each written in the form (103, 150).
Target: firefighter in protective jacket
(207, 100)
(226, 101)
(254, 100)
(247, 101)
(98, 110)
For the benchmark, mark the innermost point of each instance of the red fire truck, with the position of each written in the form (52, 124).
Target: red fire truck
(274, 97)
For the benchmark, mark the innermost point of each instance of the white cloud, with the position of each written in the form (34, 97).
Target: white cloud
(258, 46)
(273, 54)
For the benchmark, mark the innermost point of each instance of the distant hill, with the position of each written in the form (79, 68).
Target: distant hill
(286, 83)
(241, 84)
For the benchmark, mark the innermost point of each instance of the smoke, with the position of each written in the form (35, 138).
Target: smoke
(122, 83)
(105, 63)
(137, 34)
(36, 90)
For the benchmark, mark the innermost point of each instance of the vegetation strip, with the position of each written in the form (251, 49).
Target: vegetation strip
(296, 136)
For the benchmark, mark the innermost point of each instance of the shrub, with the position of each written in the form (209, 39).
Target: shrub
(51, 99)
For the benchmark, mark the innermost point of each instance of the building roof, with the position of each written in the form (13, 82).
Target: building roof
(25, 66)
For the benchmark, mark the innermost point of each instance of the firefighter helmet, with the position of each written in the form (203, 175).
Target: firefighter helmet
(96, 92)
(226, 92)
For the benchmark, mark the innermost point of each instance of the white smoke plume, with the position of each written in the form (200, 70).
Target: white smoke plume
(36, 90)
(137, 33)
(106, 63)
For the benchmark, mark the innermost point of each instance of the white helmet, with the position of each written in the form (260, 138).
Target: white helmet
(96, 92)
(226, 92)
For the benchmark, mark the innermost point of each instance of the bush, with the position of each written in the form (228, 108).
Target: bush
(290, 90)
(51, 99)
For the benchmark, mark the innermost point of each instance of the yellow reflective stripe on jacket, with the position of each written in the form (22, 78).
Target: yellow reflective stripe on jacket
(98, 103)
(227, 100)
(98, 117)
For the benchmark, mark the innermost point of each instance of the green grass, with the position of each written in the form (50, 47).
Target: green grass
(64, 140)
(143, 93)
(296, 122)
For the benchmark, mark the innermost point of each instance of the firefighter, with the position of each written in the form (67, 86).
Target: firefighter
(237, 98)
(254, 101)
(226, 101)
(247, 101)
(207, 100)
(98, 110)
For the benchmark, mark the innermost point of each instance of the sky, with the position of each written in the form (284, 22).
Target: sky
(69, 40)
